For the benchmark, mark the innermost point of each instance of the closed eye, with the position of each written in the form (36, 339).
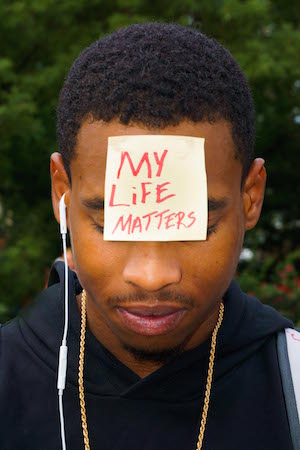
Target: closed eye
(98, 227)
(212, 229)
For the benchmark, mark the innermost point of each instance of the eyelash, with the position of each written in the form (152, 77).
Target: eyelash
(98, 227)
(212, 229)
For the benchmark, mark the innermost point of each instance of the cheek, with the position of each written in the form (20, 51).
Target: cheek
(214, 264)
(95, 261)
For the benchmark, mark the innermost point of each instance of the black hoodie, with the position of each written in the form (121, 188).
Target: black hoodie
(162, 411)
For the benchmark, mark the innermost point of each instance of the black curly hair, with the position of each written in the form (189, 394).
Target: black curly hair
(156, 75)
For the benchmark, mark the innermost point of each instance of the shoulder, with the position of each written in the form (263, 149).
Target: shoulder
(32, 324)
(288, 346)
(12, 353)
(8, 332)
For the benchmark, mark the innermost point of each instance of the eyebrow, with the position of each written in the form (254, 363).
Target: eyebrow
(217, 204)
(95, 203)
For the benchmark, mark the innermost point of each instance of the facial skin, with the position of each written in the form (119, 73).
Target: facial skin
(187, 276)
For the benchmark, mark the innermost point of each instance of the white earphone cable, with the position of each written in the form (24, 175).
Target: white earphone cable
(64, 340)
(62, 422)
(63, 351)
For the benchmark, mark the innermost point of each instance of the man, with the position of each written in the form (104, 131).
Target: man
(148, 377)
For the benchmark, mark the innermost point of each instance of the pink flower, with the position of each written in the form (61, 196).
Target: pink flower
(285, 289)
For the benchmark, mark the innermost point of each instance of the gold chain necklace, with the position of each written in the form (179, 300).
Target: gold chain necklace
(208, 381)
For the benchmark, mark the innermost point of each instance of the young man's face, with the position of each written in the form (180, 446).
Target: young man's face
(151, 298)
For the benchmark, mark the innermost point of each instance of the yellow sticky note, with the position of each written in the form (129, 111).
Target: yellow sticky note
(155, 189)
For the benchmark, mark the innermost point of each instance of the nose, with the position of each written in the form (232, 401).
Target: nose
(152, 266)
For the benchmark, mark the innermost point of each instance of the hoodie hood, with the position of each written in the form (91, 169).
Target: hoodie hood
(247, 325)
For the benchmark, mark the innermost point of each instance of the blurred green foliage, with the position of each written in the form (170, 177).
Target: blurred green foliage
(274, 283)
(40, 39)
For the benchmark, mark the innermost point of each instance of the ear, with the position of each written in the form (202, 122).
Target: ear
(59, 184)
(253, 193)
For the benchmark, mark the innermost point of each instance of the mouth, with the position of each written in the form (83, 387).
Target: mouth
(151, 320)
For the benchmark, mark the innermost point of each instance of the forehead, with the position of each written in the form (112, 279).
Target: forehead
(88, 166)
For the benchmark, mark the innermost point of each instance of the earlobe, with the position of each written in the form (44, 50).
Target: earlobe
(253, 193)
(59, 183)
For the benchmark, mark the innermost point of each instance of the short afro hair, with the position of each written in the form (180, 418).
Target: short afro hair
(156, 75)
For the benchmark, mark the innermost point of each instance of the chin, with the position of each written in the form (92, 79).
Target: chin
(155, 353)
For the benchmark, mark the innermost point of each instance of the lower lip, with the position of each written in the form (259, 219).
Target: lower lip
(150, 325)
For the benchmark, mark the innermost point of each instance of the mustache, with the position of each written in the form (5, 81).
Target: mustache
(144, 297)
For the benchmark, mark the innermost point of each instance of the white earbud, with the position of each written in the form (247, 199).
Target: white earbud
(63, 216)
